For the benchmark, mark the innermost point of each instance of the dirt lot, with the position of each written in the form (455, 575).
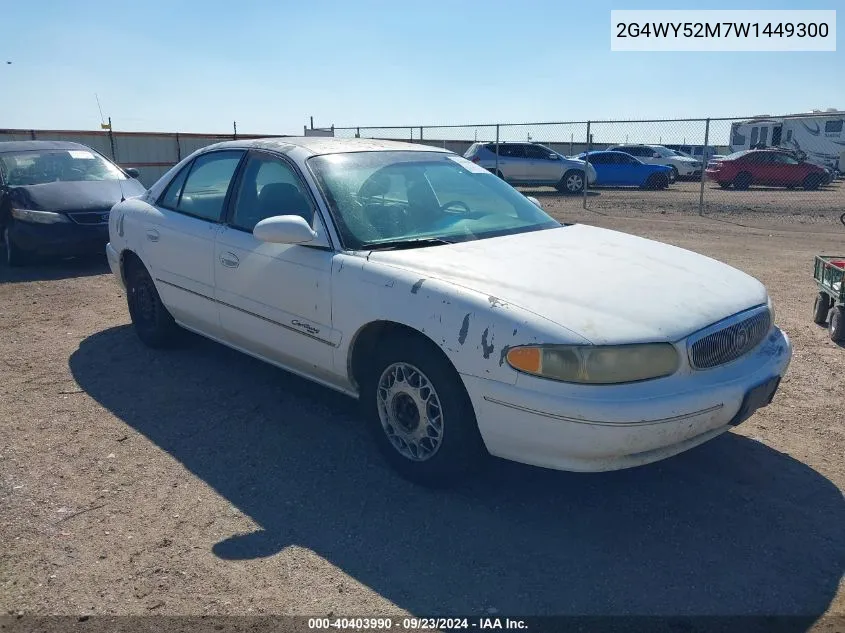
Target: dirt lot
(200, 481)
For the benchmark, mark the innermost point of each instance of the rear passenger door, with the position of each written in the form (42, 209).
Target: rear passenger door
(512, 162)
(179, 239)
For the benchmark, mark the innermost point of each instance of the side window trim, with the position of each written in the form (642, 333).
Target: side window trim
(185, 170)
(190, 167)
(229, 207)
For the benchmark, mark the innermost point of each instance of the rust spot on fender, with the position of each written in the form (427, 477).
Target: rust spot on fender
(462, 335)
(485, 348)
(504, 354)
(495, 302)
(416, 287)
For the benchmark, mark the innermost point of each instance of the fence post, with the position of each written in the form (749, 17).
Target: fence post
(704, 161)
(421, 132)
(235, 127)
(32, 134)
(497, 150)
(111, 142)
(586, 162)
(178, 148)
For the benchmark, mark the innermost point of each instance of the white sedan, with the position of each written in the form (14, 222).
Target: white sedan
(463, 317)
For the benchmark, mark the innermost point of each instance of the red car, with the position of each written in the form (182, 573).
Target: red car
(764, 167)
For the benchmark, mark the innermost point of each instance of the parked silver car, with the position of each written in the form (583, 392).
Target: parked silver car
(532, 164)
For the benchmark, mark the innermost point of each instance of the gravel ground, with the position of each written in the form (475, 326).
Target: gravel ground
(201, 481)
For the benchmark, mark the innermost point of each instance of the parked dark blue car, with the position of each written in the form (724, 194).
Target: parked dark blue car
(618, 169)
(55, 199)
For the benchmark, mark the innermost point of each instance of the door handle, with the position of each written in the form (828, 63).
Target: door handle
(152, 235)
(229, 260)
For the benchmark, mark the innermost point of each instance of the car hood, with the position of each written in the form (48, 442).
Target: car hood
(606, 286)
(76, 195)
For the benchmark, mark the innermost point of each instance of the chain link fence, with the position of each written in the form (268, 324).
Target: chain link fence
(792, 163)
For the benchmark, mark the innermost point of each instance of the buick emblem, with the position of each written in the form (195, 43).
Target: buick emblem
(741, 339)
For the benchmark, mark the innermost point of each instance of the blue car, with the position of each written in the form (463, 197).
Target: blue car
(618, 169)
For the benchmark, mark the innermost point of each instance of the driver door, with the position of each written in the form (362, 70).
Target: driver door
(275, 299)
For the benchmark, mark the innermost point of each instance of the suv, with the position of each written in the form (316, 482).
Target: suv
(682, 166)
(532, 164)
(774, 168)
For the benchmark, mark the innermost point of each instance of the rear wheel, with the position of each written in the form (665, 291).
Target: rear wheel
(13, 255)
(820, 308)
(657, 181)
(836, 327)
(813, 181)
(420, 414)
(572, 182)
(153, 323)
(742, 181)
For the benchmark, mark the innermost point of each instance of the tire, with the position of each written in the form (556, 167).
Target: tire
(821, 307)
(572, 182)
(742, 181)
(675, 174)
(836, 327)
(154, 325)
(13, 255)
(724, 185)
(403, 371)
(656, 181)
(811, 182)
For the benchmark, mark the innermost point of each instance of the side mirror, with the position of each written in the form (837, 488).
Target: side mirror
(284, 229)
(535, 201)
(132, 172)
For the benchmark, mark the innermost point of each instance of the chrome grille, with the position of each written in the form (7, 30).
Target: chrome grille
(730, 342)
(98, 216)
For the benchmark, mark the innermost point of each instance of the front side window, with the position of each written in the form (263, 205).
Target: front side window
(737, 137)
(269, 187)
(381, 198)
(538, 152)
(202, 191)
(57, 165)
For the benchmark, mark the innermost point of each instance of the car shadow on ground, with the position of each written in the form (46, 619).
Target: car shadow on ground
(732, 527)
(554, 193)
(46, 269)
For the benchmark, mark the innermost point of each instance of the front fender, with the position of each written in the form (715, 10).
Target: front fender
(475, 331)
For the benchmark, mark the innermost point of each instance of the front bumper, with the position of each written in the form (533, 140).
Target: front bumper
(63, 240)
(597, 428)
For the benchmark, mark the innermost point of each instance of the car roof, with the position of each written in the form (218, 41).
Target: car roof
(316, 145)
(22, 146)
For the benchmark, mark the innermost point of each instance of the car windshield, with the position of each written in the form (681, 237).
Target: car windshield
(401, 199)
(57, 165)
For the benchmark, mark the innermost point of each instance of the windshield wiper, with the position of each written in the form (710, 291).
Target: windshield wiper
(417, 242)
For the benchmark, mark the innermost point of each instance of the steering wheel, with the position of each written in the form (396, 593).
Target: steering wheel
(456, 203)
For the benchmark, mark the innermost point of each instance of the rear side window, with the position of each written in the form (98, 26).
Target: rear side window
(601, 159)
(202, 192)
(833, 127)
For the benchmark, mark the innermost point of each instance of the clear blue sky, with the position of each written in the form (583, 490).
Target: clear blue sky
(197, 66)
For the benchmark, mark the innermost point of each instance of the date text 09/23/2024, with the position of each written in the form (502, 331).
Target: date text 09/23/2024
(416, 624)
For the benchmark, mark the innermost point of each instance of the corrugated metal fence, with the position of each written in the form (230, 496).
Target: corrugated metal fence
(151, 153)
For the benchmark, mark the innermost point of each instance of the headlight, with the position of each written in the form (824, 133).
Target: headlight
(39, 217)
(596, 364)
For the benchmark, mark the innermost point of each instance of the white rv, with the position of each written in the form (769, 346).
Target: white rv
(820, 135)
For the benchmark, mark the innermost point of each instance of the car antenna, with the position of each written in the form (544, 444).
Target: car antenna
(107, 126)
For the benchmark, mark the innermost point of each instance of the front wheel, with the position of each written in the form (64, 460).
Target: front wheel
(673, 175)
(153, 323)
(742, 181)
(420, 414)
(13, 255)
(572, 182)
(812, 182)
(820, 308)
(836, 327)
